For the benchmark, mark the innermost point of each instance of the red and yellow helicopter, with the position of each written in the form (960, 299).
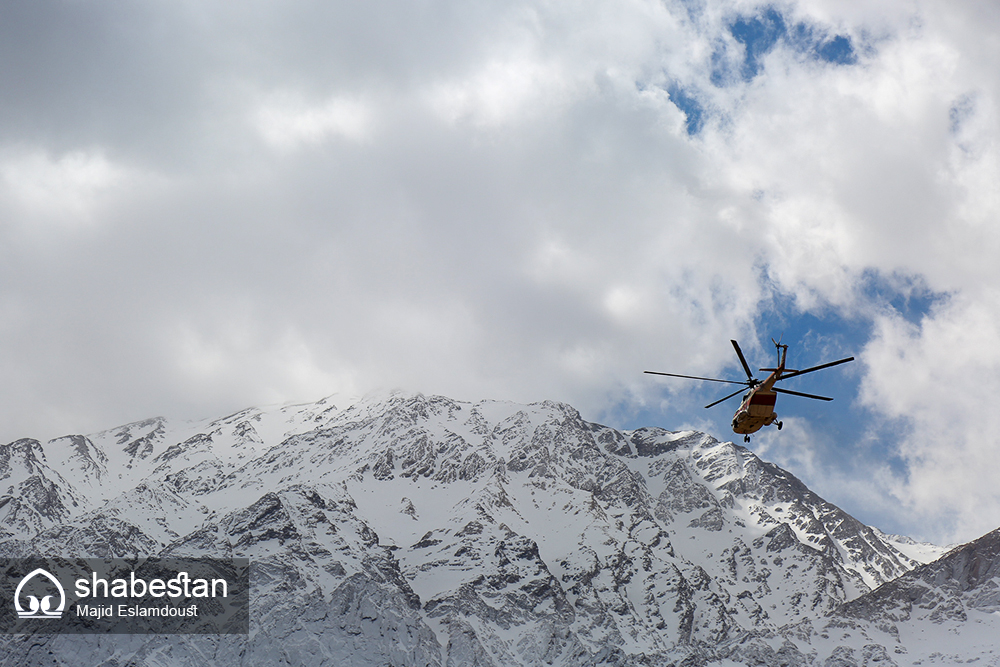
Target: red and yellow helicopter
(757, 407)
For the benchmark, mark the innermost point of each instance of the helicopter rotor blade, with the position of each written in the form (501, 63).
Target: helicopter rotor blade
(743, 360)
(817, 368)
(695, 377)
(799, 393)
(724, 399)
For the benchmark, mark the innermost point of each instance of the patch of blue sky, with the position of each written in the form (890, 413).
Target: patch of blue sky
(819, 336)
(692, 108)
(907, 296)
(838, 51)
(843, 441)
(722, 72)
(817, 44)
(814, 339)
(760, 33)
(846, 439)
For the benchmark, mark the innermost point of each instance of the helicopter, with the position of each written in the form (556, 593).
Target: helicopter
(757, 408)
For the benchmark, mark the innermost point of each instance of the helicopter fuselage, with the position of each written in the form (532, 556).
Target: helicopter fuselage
(757, 409)
(756, 412)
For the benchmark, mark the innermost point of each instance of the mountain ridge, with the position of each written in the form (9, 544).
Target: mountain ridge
(487, 533)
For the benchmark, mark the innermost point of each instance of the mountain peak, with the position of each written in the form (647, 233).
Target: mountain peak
(489, 531)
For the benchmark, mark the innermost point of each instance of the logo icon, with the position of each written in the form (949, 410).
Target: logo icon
(40, 608)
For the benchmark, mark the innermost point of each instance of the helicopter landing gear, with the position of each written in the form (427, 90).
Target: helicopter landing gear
(746, 438)
(780, 425)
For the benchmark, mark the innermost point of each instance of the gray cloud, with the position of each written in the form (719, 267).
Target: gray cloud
(204, 209)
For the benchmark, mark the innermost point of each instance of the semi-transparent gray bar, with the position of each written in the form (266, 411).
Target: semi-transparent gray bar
(125, 596)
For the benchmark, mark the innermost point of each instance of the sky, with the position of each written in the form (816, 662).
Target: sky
(205, 207)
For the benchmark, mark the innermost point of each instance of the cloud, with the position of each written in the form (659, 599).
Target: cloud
(503, 200)
(66, 190)
(939, 378)
(286, 122)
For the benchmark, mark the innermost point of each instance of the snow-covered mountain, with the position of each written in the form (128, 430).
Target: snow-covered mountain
(413, 530)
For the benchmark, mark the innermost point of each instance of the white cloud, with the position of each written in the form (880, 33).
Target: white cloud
(287, 121)
(500, 200)
(67, 188)
(501, 92)
(940, 378)
(207, 357)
